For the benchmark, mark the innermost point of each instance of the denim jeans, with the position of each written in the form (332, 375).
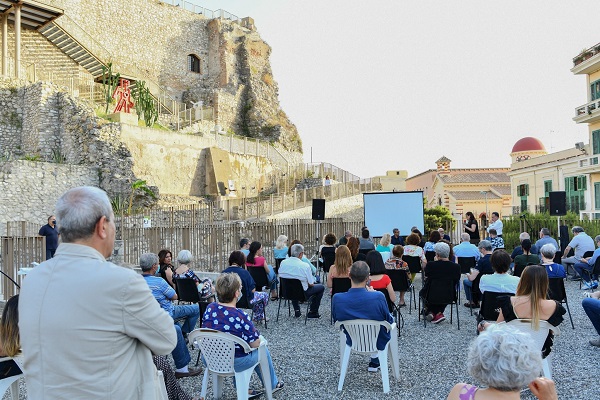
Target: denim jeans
(272, 277)
(190, 312)
(592, 309)
(580, 266)
(180, 353)
(468, 285)
(316, 290)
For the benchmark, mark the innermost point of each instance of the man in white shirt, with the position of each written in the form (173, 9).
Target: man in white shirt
(465, 248)
(581, 243)
(496, 224)
(294, 268)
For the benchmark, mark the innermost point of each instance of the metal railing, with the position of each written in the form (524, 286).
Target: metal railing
(196, 9)
(586, 54)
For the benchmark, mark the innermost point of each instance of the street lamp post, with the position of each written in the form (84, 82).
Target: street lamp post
(485, 192)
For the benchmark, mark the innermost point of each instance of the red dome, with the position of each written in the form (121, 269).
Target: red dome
(528, 144)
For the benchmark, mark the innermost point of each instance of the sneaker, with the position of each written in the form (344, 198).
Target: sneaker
(593, 342)
(313, 315)
(438, 318)
(374, 366)
(595, 285)
(429, 317)
(586, 286)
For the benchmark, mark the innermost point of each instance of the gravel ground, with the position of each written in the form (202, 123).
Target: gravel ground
(432, 359)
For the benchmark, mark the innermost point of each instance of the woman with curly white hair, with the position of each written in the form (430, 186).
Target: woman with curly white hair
(504, 360)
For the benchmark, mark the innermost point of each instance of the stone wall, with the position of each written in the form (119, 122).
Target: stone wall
(30, 189)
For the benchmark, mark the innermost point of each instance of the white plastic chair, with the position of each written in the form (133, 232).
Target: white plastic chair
(385, 255)
(218, 350)
(11, 382)
(364, 335)
(539, 337)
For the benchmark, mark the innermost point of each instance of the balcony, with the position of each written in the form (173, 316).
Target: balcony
(588, 61)
(589, 165)
(588, 113)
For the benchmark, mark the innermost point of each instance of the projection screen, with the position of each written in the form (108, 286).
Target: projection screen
(386, 211)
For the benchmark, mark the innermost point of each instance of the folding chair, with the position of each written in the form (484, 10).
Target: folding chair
(441, 291)
(414, 265)
(187, 291)
(489, 310)
(260, 277)
(539, 337)
(218, 350)
(13, 373)
(339, 285)
(556, 291)
(243, 303)
(466, 263)
(430, 255)
(401, 283)
(328, 255)
(394, 309)
(291, 289)
(363, 334)
(277, 264)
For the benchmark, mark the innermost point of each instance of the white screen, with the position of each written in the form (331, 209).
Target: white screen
(386, 211)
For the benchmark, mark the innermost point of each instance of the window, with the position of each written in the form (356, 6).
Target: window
(575, 186)
(596, 142)
(193, 63)
(523, 190)
(547, 188)
(597, 195)
(595, 89)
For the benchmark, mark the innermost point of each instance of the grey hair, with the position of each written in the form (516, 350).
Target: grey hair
(545, 231)
(523, 236)
(147, 261)
(577, 229)
(185, 257)
(359, 272)
(504, 358)
(296, 250)
(442, 250)
(465, 237)
(597, 238)
(78, 211)
(485, 244)
(548, 250)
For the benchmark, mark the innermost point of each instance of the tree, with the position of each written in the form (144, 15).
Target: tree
(139, 185)
(436, 217)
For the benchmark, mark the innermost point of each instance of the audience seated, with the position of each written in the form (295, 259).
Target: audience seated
(378, 278)
(553, 269)
(341, 266)
(257, 299)
(353, 246)
(363, 302)
(588, 264)
(466, 248)
(412, 249)
(530, 303)
(10, 340)
(255, 259)
(443, 234)
(344, 239)
(523, 260)
(483, 267)
(504, 360)
(434, 237)
(166, 268)
(281, 249)
(223, 316)
(500, 281)
(591, 306)
(385, 244)
(174, 391)
(366, 243)
(184, 260)
(245, 246)
(294, 268)
(304, 258)
(163, 293)
(580, 244)
(396, 239)
(545, 238)
(496, 241)
(441, 268)
(396, 262)
(519, 250)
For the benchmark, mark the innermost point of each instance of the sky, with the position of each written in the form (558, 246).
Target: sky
(395, 85)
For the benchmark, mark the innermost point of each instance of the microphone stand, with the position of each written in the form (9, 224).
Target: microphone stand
(527, 224)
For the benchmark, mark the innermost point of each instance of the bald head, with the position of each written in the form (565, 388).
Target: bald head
(464, 237)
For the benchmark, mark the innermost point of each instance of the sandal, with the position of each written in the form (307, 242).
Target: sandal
(278, 387)
(274, 298)
(402, 305)
(252, 394)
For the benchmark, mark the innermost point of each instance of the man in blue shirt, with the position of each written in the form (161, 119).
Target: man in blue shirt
(363, 302)
(49, 230)
(465, 248)
(396, 238)
(588, 265)
(545, 238)
(164, 293)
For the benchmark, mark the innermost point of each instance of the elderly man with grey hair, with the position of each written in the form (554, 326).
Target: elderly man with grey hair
(89, 327)
(465, 248)
(189, 314)
(483, 267)
(545, 238)
(439, 269)
(587, 264)
(344, 239)
(581, 243)
(294, 268)
(517, 251)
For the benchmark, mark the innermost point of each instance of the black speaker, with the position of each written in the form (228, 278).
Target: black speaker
(558, 203)
(318, 210)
